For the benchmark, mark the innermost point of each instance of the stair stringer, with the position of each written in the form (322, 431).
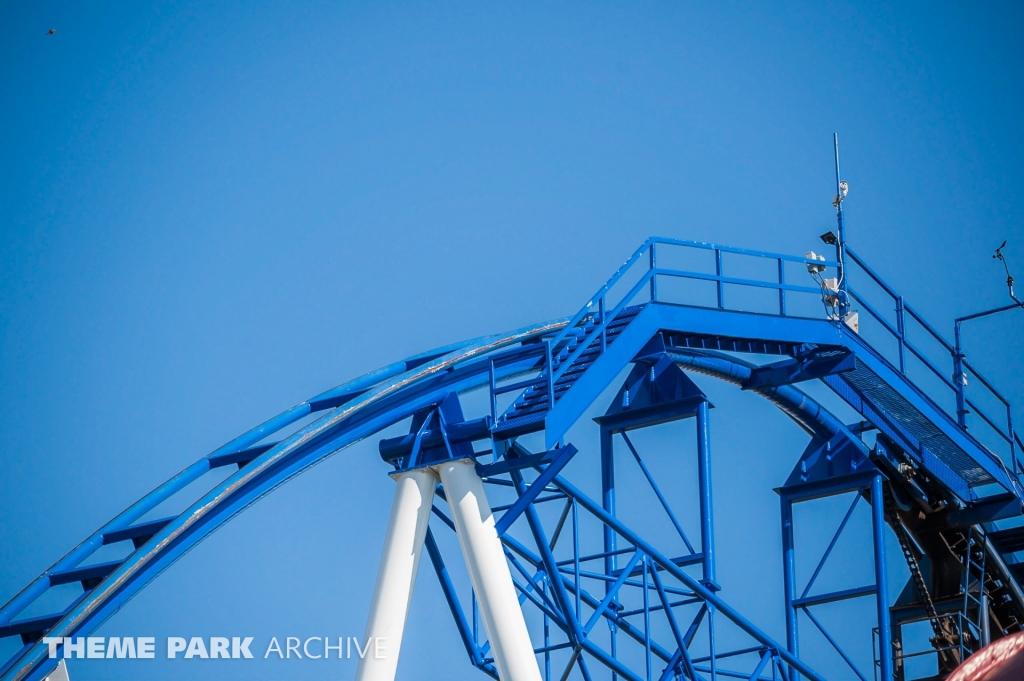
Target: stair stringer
(599, 375)
(657, 316)
(943, 425)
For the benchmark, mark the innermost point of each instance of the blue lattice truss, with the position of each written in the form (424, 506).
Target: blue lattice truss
(605, 598)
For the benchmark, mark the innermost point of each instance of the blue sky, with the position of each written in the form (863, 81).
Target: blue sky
(211, 211)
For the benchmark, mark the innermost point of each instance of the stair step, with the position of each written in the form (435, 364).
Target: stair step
(584, 356)
(529, 409)
(542, 395)
(520, 425)
(533, 406)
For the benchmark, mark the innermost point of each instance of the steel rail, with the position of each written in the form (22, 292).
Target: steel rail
(313, 443)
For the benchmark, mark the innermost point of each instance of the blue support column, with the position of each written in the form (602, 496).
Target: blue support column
(707, 521)
(881, 579)
(789, 578)
(608, 503)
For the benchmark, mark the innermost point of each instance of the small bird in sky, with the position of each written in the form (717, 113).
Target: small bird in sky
(51, 32)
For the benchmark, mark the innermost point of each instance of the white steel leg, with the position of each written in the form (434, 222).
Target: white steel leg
(396, 576)
(488, 570)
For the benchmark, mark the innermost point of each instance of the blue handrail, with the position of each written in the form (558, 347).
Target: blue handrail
(903, 310)
(590, 324)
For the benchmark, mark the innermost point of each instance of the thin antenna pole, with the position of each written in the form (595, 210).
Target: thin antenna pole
(844, 301)
(835, 141)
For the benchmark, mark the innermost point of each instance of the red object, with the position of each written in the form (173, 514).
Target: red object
(1000, 661)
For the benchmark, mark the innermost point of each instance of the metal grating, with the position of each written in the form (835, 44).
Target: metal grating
(904, 414)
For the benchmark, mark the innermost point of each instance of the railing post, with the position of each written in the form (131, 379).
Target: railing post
(782, 287)
(604, 327)
(494, 398)
(718, 273)
(901, 327)
(1010, 434)
(654, 276)
(551, 376)
(958, 378)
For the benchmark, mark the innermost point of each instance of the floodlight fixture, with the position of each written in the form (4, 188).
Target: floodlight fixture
(830, 238)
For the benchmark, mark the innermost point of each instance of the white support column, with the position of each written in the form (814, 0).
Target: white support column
(488, 570)
(396, 576)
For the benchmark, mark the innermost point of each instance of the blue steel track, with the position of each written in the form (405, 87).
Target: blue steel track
(926, 476)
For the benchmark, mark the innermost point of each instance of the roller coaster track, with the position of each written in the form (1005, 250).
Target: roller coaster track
(553, 372)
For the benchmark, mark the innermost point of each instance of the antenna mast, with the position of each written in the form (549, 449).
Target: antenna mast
(841, 190)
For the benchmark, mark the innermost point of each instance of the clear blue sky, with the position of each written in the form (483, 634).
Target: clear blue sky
(211, 211)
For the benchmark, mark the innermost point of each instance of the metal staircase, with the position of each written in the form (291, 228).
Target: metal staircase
(571, 353)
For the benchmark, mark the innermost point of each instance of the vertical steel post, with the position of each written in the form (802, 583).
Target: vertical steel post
(396, 576)
(958, 378)
(576, 558)
(488, 572)
(547, 634)
(551, 374)
(719, 285)
(604, 325)
(707, 522)
(608, 503)
(654, 277)
(789, 581)
(881, 579)
(711, 643)
(986, 632)
(901, 327)
(782, 287)
(647, 620)
(1010, 434)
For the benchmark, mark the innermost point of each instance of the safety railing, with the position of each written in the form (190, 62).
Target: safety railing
(645, 276)
(606, 304)
(898, 326)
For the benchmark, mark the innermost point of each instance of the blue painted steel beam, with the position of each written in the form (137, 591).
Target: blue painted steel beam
(707, 512)
(789, 583)
(708, 595)
(528, 495)
(454, 433)
(834, 596)
(881, 578)
(401, 396)
(453, 604)
(789, 371)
